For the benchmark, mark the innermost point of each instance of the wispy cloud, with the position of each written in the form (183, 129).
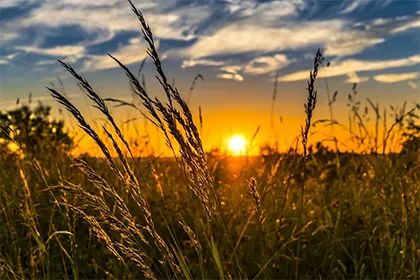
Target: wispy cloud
(231, 72)
(113, 16)
(204, 32)
(7, 58)
(231, 76)
(339, 37)
(395, 78)
(134, 52)
(350, 43)
(350, 66)
(406, 26)
(11, 3)
(266, 64)
(354, 5)
(240, 38)
(201, 62)
(354, 78)
(56, 51)
(270, 10)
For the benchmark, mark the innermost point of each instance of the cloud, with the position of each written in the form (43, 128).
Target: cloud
(340, 37)
(202, 30)
(351, 43)
(406, 26)
(204, 62)
(240, 38)
(103, 20)
(231, 76)
(354, 5)
(271, 11)
(7, 36)
(260, 33)
(349, 66)
(56, 51)
(266, 64)
(353, 78)
(231, 72)
(393, 25)
(112, 16)
(11, 3)
(395, 78)
(134, 52)
(256, 66)
(7, 58)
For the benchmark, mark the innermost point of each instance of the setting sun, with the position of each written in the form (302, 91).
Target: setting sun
(237, 145)
(209, 139)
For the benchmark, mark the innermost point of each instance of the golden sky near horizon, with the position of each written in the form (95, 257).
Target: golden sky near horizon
(238, 46)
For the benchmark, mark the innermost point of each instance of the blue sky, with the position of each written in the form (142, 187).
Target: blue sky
(234, 38)
(238, 45)
(230, 42)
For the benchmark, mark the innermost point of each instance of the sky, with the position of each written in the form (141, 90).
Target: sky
(239, 46)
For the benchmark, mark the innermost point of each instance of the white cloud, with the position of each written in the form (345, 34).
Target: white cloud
(12, 3)
(263, 30)
(231, 68)
(338, 36)
(353, 78)
(231, 76)
(205, 62)
(114, 16)
(239, 38)
(393, 25)
(406, 26)
(103, 19)
(7, 58)
(266, 64)
(354, 5)
(346, 67)
(257, 66)
(231, 72)
(62, 51)
(351, 42)
(269, 10)
(7, 36)
(256, 27)
(394, 78)
(132, 53)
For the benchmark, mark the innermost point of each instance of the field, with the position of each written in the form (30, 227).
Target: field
(311, 212)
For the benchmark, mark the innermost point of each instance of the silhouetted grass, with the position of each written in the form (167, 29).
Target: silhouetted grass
(319, 214)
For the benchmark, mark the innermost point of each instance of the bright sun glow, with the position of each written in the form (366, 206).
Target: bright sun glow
(237, 145)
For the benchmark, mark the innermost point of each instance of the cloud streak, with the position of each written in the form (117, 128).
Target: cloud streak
(350, 66)
(260, 37)
(395, 78)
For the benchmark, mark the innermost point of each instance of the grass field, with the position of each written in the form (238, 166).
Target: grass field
(313, 212)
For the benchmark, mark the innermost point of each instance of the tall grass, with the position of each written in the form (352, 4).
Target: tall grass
(319, 214)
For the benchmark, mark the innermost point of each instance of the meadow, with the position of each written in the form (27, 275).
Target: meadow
(313, 212)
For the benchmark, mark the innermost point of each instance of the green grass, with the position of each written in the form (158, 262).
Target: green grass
(323, 214)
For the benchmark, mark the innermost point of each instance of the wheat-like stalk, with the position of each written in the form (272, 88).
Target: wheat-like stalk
(311, 101)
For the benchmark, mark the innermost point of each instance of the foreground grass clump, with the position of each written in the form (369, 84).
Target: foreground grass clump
(323, 214)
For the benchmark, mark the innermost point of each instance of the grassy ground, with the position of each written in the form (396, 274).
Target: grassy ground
(360, 220)
(317, 214)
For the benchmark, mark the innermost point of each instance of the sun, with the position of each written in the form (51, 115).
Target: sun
(237, 145)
